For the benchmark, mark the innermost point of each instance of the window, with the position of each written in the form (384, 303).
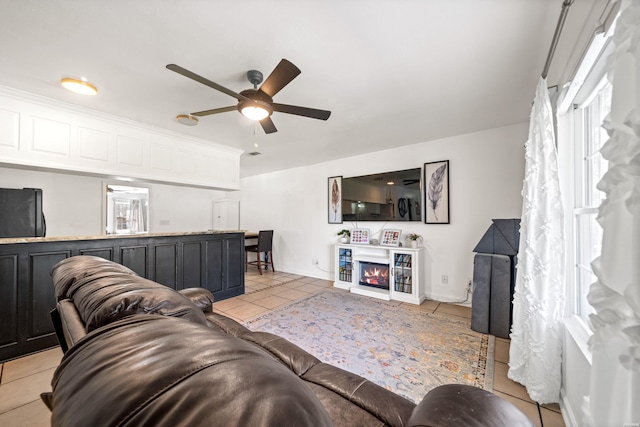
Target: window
(584, 104)
(589, 167)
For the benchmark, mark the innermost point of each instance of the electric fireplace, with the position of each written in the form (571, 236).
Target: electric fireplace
(374, 274)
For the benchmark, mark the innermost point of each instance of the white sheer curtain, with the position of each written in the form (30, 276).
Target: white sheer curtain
(614, 395)
(136, 217)
(535, 354)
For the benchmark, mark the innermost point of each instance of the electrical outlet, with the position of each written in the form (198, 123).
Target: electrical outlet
(445, 279)
(314, 261)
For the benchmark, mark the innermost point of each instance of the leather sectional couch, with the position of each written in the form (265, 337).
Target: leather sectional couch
(138, 353)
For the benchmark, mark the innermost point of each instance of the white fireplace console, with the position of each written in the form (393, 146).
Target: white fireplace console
(401, 272)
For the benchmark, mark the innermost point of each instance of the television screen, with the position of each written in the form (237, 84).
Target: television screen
(389, 196)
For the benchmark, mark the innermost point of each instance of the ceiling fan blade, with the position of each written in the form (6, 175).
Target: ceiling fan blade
(268, 126)
(193, 76)
(214, 111)
(301, 111)
(281, 76)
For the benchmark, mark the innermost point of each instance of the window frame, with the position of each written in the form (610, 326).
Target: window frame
(589, 79)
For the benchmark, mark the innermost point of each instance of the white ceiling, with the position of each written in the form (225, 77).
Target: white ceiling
(392, 72)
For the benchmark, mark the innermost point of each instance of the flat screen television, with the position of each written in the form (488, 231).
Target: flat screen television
(388, 196)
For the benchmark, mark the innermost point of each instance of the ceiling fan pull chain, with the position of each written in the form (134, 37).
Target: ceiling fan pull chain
(255, 134)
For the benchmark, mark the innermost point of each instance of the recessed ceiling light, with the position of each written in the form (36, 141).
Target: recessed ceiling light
(187, 119)
(81, 87)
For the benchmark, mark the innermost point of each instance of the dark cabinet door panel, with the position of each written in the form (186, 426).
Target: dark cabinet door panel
(42, 296)
(8, 299)
(214, 266)
(192, 265)
(106, 253)
(135, 257)
(165, 264)
(234, 268)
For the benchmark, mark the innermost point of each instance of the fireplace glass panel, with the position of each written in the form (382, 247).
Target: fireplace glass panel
(374, 274)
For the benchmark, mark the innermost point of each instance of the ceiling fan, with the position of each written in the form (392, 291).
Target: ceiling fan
(257, 103)
(410, 181)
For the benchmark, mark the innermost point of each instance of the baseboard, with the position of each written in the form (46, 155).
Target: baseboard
(449, 299)
(315, 272)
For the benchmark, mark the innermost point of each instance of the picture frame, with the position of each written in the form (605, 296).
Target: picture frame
(360, 236)
(390, 237)
(334, 199)
(436, 192)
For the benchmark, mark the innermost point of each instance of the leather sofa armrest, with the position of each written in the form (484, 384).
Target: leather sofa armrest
(294, 358)
(201, 297)
(226, 324)
(463, 405)
(391, 408)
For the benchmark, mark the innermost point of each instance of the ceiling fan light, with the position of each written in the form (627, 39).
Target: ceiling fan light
(81, 87)
(254, 112)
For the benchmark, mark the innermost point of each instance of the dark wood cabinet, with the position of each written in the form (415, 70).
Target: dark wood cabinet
(234, 266)
(8, 299)
(214, 261)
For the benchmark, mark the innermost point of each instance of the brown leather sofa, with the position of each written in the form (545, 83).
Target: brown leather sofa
(138, 353)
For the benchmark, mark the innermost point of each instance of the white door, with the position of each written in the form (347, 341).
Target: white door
(226, 215)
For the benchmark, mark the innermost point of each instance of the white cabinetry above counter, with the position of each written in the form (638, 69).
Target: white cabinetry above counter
(42, 133)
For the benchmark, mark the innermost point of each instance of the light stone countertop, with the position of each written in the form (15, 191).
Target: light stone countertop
(10, 240)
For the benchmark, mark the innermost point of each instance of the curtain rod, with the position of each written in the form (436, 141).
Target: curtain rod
(556, 36)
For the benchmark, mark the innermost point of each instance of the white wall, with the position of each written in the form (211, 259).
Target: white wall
(486, 179)
(73, 203)
(486, 173)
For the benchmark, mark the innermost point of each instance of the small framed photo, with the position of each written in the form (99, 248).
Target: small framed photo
(436, 192)
(390, 237)
(360, 236)
(335, 200)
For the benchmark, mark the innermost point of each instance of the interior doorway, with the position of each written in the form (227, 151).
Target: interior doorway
(127, 209)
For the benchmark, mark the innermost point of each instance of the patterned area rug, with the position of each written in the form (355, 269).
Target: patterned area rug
(397, 347)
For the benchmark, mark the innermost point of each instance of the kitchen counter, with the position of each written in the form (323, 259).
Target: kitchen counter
(11, 240)
(211, 259)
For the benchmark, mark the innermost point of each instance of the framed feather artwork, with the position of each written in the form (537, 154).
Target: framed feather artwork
(335, 200)
(436, 192)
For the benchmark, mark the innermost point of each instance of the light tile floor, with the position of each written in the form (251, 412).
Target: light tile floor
(22, 380)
